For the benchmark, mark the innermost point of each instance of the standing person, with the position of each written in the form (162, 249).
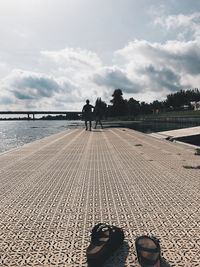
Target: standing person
(98, 113)
(87, 113)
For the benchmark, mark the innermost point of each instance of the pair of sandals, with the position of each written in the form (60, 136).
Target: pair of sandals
(105, 239)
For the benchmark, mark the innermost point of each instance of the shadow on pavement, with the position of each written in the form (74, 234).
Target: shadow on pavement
(118, 259)
(164, 263)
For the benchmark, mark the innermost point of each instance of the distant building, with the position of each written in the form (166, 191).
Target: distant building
(196, 105)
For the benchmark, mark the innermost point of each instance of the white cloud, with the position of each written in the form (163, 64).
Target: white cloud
(179, 56)
(78, 65)
(142, 69)
(66, 84)
(31, 89)
(74, 59)
(161, 67)
(188, 23)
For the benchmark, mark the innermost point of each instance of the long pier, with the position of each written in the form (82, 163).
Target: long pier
(68, 114)
(54, 190)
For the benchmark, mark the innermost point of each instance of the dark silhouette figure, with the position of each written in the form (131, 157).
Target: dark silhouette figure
(99, 111)
(87, 114)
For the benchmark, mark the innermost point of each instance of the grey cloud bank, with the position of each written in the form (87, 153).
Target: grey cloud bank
(146, 67)
(34, 89)
(163, 78)
(113, 77)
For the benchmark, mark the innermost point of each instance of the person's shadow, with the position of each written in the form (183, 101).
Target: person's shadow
(164, 263)
(98, 130)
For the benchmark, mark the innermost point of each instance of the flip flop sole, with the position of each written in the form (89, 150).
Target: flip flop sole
(147, 248)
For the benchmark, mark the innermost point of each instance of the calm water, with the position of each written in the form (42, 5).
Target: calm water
(17, 133)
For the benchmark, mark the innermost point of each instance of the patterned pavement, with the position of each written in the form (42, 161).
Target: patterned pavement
(54, 190)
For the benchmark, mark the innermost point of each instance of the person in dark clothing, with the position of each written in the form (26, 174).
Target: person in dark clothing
(87, 114)
(99, 111)
(98, 116)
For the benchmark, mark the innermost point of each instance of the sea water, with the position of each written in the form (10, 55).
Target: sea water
(17, 133)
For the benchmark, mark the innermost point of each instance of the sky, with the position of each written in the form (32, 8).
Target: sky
(55, 54)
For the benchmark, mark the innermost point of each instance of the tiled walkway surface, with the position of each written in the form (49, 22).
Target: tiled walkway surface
(54, 190)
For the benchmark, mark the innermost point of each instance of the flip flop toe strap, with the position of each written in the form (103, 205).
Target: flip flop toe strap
(143, 260)
(151, 250)
(98, 232)
(146, 261)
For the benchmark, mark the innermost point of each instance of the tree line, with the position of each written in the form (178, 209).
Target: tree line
(174, 102)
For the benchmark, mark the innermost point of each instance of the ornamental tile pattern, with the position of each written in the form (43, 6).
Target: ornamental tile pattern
(54, 190)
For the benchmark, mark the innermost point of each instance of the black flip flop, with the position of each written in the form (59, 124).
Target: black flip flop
(105, 239)
(148, 251)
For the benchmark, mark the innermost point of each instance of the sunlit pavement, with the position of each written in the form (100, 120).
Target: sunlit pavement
(54, 190)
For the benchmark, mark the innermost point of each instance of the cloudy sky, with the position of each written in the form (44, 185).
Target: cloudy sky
(54, 54)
